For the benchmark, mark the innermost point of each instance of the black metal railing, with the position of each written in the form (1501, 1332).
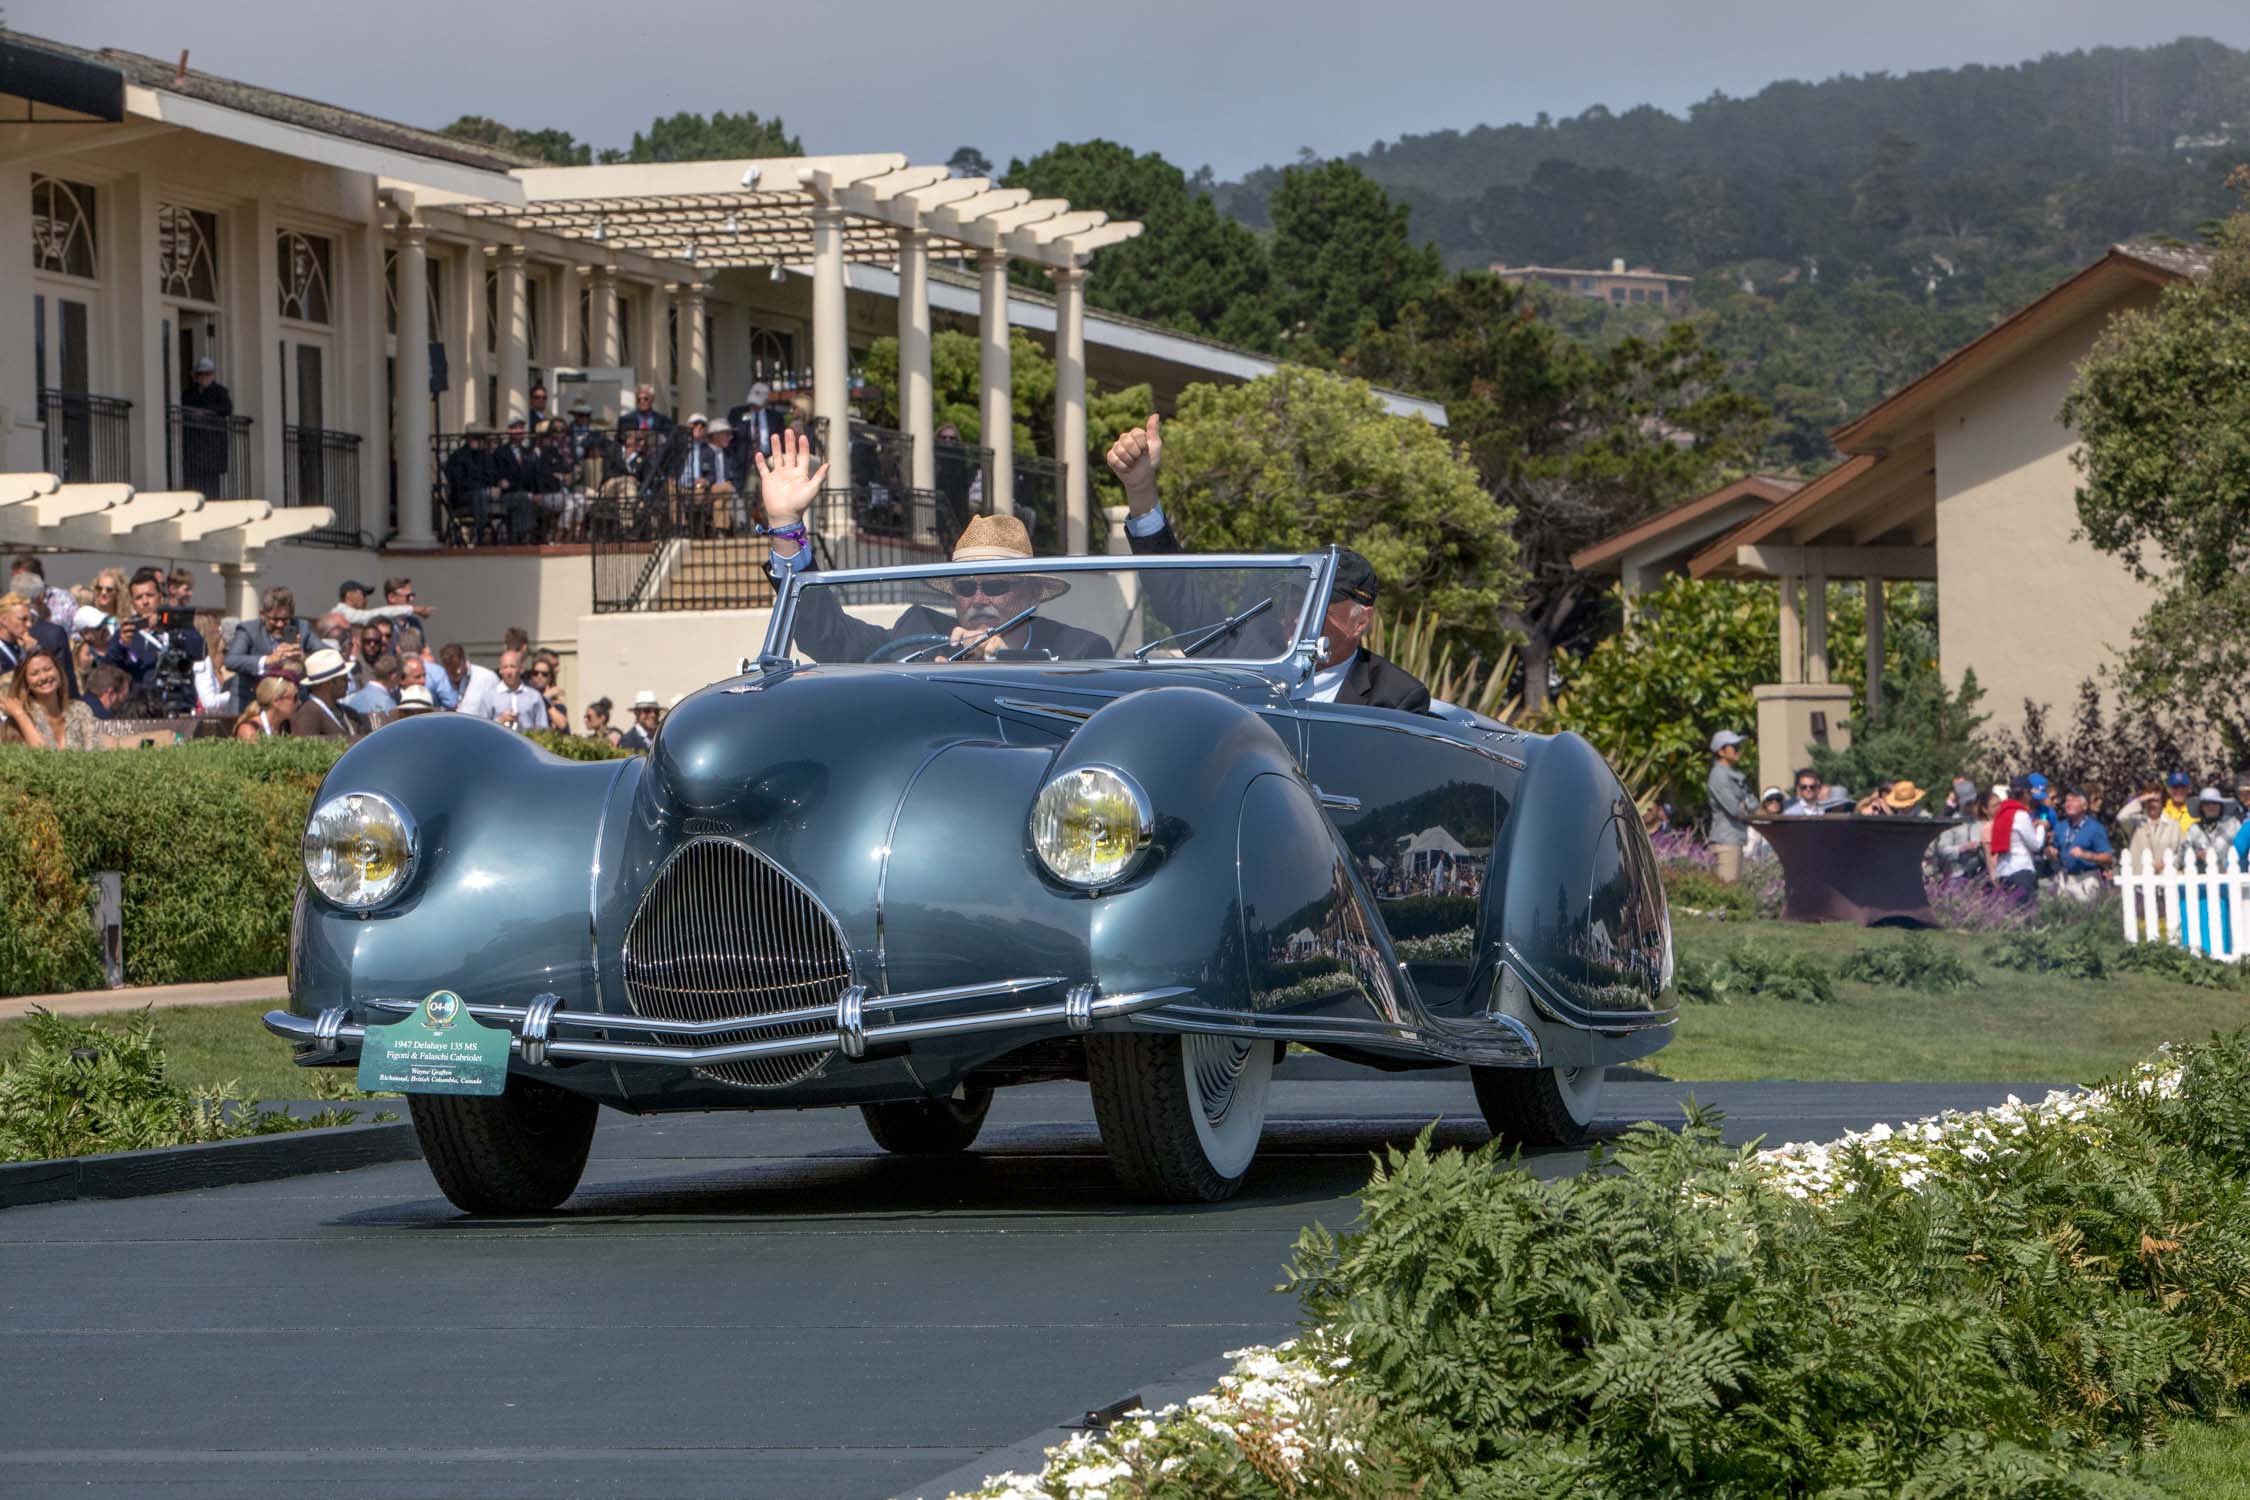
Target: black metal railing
(665, 546)
(89, 438)
(1038, 501)
(207, 452)
(963, 474)
(321, 467)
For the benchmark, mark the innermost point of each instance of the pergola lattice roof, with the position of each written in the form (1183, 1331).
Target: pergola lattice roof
(721, 214)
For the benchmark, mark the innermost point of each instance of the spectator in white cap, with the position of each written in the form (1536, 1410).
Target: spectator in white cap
(2213, 829)
(1731, 808)
(320, 699)
(647, 713)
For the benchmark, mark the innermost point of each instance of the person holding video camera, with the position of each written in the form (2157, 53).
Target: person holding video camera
(156, 645)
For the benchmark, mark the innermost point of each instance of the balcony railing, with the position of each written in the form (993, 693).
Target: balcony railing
(665, 546)
(320, 467)
(207, 452)
(89, 438)
(1039, 501)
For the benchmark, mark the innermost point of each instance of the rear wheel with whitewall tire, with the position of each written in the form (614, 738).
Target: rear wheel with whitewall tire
(518, 1152)
(1180, 1116)
(928, 1127)
(1539, 1107)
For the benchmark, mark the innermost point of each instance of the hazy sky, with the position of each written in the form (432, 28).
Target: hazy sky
(1235, 85)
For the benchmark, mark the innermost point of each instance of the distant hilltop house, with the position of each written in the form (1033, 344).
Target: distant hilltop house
(1617, 286)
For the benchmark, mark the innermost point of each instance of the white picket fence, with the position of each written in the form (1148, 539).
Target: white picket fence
(2175, 900)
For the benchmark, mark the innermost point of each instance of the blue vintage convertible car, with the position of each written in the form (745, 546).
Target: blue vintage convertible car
(1108, 844)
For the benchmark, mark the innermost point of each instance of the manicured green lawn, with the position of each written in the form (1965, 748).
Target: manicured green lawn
(2207, 1461)
(210, 1044)
(2012, 1027)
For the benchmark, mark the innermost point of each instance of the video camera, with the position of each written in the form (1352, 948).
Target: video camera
(173, 679)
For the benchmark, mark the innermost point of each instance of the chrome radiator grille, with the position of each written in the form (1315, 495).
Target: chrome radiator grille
(724, 931)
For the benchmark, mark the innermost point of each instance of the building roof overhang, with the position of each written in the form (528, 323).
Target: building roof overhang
(2121, 271)
(1686, 524)
(54, 89)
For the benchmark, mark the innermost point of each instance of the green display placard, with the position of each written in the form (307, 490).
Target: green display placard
(440, 1049)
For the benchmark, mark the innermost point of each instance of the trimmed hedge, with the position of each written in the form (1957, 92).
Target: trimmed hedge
(204, 834)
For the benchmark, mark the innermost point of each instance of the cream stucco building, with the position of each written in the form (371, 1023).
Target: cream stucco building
(1963, 479)
(328, 261)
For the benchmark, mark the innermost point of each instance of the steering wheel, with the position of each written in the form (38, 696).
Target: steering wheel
(900, 648)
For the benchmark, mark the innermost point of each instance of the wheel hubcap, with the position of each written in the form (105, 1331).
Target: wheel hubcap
(1215, 1066)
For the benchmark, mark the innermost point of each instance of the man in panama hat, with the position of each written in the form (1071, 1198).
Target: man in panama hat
(789, 483)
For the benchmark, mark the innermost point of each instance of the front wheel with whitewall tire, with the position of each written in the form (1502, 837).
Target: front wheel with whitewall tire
(1180, 1116)
(1540, 1107)
(517, 1152)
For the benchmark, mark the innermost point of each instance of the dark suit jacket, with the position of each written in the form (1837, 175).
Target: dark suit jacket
(752, 427)
(1371, 680)
(140, 658)
(643, 421)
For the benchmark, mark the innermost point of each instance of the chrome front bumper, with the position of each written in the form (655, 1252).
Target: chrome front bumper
(857, 1022)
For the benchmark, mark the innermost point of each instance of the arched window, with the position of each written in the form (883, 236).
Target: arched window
(306, 265)
(187, 253)
(62, 227)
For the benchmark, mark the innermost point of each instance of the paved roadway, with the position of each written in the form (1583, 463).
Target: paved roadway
(732, 1305)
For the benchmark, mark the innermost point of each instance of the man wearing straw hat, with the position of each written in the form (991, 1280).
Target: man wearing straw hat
(789, 483)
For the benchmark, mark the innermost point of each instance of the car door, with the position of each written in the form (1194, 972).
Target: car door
(1419, 808)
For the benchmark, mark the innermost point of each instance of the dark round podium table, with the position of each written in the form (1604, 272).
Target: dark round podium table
(1853, 868)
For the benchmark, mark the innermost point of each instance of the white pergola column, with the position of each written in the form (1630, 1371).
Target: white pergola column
(570, 283)
(22, 429)
(1816, 626)
(831, 378)
(462, 307)
(410, 408)
(1874, 647)
(515, 335)
(998, 406)
(604, 320)
(651, 323)
(254, 348)
(143, 378)
(695, 355)
(1792, 644)
(1070, 404)
(917, 410)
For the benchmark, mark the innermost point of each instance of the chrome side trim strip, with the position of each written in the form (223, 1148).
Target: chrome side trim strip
(1049, 710)
(1556, 1008)
(1487, 1040)
(656, 1026)
(1096, 1009)
(1336, 801)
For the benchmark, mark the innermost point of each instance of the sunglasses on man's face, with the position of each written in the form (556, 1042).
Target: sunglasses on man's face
(991, 588)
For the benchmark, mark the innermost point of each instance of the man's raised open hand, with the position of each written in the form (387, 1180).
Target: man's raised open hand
(1133, 458)
(787, 481)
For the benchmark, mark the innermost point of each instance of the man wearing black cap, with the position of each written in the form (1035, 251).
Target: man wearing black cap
(205, 407)
(1349, 672)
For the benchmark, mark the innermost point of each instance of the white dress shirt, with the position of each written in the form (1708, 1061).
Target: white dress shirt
(526, 702)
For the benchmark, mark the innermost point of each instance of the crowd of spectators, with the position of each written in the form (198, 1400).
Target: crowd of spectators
(110, 662)
(2025, 835)
(538, 477)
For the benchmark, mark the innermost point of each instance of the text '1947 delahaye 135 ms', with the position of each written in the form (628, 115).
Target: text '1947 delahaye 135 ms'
(864, 873)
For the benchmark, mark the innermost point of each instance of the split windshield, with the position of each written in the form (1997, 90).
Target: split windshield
(1121, 609)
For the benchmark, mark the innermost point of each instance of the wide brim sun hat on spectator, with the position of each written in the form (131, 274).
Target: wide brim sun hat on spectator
(2211, 794)
(416, 700)
(324, 665)
(1904, 794)
(646, 698)
(718, 427)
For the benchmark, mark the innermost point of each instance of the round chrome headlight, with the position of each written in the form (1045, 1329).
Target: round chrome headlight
(359, 849)
(1090, 824)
